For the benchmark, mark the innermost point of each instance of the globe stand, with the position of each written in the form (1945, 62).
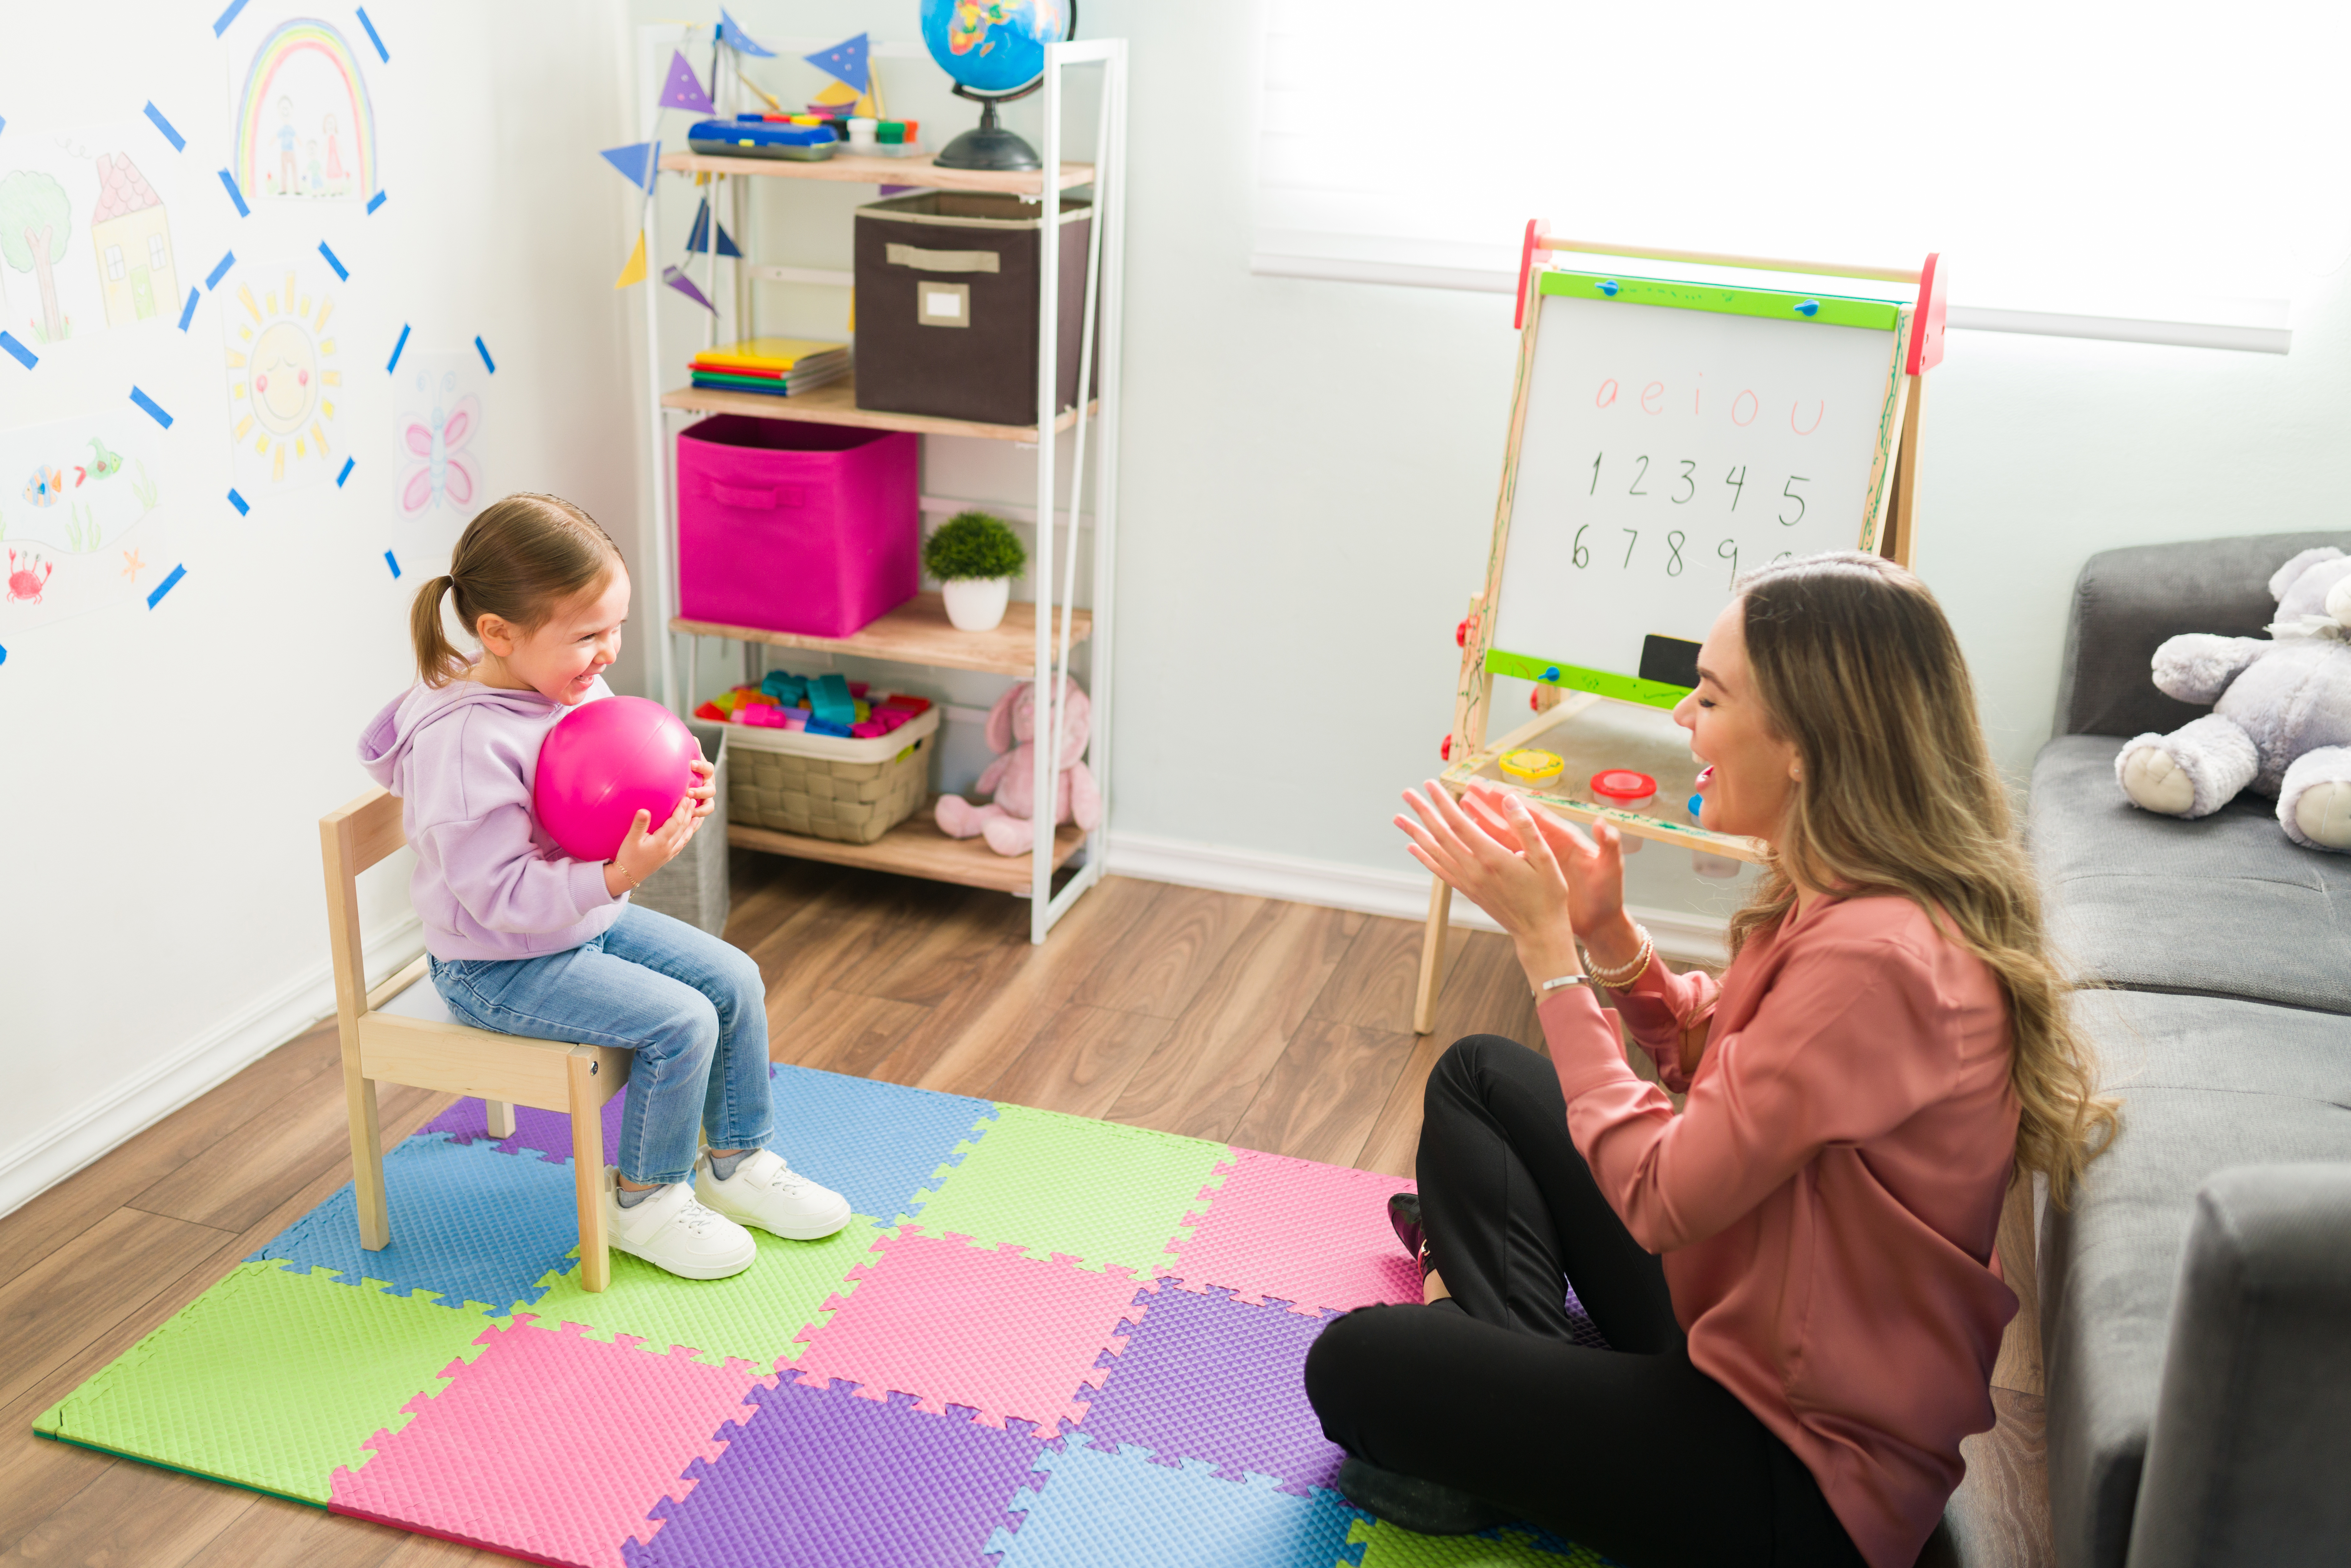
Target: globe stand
(989, 145)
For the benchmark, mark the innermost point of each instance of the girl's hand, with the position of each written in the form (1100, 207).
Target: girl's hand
(702, 792)
(1594, 864)
(643, 853)
(1520, 883)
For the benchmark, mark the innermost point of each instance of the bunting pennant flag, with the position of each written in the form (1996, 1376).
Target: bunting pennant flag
(699, 240)
(635, 271)
(731, 34)
(684, 89)
(635, 163)
(844, 61)
(684, 284)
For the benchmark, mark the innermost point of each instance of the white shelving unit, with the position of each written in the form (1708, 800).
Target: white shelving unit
(1035, 639)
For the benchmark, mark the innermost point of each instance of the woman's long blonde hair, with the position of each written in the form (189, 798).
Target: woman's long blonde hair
(1856, 667)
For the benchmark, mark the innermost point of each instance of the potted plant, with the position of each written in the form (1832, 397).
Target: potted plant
(975, 557)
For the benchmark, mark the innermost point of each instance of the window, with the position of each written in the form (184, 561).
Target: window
(2156, 172)
(158, 257)
(114, 263)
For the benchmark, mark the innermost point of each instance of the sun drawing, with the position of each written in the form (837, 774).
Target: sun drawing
(283, 378)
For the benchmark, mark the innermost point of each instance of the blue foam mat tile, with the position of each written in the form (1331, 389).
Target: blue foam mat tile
(875, 1143)
(1094, 1508)
(469, 1225)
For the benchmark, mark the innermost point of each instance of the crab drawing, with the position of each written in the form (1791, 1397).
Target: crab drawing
(25, 582)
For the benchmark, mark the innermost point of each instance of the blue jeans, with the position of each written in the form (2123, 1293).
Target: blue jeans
(692, 1008)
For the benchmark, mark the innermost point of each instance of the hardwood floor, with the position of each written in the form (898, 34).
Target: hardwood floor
(1278, 1026)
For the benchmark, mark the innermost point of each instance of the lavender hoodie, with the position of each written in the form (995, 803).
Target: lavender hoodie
(489, 883)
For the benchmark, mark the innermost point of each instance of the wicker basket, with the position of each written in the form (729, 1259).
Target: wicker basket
(825, 787)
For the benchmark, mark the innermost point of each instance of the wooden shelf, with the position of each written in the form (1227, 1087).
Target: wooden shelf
(835, 402)
(863, 168)
(915, 847)
(918, 632)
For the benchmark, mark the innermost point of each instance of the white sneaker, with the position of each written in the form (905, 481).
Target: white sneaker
(673, 1232)
(766, 1192)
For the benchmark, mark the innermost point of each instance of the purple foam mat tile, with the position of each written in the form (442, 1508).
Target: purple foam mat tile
(1204, 1376)
(820, 1476)
(1580, 1326)
(546, 1133)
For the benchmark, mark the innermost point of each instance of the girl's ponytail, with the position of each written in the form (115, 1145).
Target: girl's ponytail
(518, 560)
(437, 661)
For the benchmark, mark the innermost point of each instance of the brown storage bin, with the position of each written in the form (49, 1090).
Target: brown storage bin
(824, 787)
(946, 305)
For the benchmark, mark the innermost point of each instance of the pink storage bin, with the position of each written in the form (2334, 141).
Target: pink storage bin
(785, 526)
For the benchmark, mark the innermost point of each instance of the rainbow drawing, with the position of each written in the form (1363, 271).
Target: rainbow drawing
(294, 39)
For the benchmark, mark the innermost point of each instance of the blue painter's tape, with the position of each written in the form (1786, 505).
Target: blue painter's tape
(23, 355)
(375, 201)
(154, 409)
(373, 38)
(219, 271)
(166, 586)
(393, 363)
(239, 503)
(228, 184)
(489, 364)
(227, 17)
(1808, 307)
(1609, 285)
(335, 261)
(4, 652)
(4, 122)
(392, 561)
(345, 473)
(179, 142)
(188, 311)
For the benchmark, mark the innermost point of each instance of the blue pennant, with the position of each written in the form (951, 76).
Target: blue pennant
(636, 162)
(699, 240)
(845, 61)
(731, 34)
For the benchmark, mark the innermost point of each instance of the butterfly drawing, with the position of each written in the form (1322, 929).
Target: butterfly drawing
(440, 470)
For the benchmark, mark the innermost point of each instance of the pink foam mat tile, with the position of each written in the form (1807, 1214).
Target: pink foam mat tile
(1008, 1335)
(548, 1446)
(1314, 1237)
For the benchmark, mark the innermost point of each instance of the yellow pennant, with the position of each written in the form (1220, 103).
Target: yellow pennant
(635, 271)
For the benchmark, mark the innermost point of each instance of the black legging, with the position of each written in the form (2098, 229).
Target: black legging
(1632, 1451)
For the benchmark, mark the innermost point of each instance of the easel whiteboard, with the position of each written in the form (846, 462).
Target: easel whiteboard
(1670, 436)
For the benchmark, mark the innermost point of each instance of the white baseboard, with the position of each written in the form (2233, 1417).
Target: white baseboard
(182, 1074)
(1399, 894)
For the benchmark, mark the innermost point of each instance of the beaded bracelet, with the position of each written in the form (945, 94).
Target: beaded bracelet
(1618, 979)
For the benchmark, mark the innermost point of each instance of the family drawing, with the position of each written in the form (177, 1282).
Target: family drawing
(300, 170)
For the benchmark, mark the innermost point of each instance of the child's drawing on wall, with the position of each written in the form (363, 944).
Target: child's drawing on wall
(304, 128)
(94, 501)
(34, 216)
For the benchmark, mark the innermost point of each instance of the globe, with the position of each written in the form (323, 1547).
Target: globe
(993, 47)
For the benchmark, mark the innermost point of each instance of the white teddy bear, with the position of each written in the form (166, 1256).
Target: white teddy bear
(2281, 720)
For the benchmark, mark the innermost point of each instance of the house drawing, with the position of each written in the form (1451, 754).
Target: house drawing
(133, 239)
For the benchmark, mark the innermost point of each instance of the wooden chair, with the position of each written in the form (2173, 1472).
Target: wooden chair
(401, 1032)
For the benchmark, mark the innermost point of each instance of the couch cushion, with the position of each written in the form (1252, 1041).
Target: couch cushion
(2126, 601)
(2206, 1083)
(2225, 905)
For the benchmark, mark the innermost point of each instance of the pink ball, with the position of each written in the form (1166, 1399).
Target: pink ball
(601, 764)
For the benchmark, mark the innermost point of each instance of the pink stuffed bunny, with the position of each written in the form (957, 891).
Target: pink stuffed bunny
(1008, 823)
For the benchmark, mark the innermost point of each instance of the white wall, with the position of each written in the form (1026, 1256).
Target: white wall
(1310, 472)
(161, 772)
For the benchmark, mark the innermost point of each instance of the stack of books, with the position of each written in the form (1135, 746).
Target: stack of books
(775, 367)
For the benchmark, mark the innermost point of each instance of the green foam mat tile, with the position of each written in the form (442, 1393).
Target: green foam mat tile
(270, 1379)
(1389, 1545)
(759, 1315)
(1096, 1191)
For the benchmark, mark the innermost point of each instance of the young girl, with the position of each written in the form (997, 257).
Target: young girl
(526, 940)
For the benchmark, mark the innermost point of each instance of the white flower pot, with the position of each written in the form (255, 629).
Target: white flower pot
(977, 603)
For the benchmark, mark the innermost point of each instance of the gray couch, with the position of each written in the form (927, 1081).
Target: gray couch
(2196, 1299)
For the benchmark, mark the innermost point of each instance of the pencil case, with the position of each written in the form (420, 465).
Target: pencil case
(762, 139)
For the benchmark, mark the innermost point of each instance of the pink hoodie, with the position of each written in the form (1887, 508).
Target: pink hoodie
(489, 883)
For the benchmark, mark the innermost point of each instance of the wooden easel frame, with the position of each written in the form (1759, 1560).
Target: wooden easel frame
(1466, 750)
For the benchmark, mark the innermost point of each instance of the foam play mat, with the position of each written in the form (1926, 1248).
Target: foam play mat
(1044, 1343)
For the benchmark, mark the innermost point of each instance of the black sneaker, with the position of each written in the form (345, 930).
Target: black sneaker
(1427, 1507)
(1404, 1214)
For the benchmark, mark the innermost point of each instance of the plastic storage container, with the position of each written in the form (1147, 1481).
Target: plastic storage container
(784, 527)
(946, 305)
(825, 787)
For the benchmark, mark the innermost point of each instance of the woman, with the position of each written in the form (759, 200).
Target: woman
(1795, 1272)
